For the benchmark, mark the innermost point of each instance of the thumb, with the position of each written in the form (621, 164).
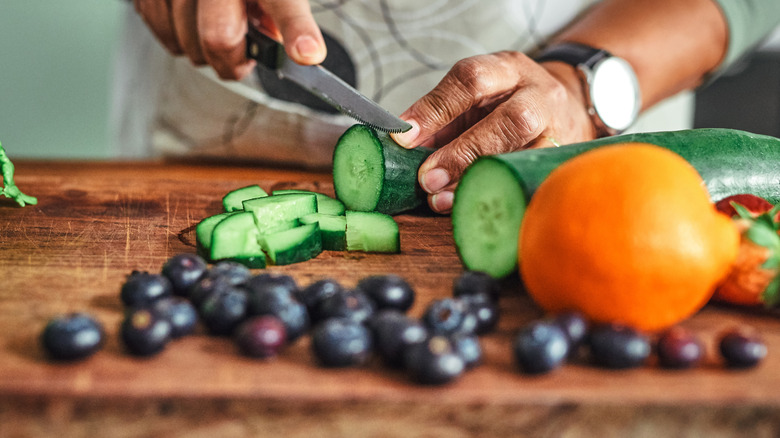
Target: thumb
(301, 36)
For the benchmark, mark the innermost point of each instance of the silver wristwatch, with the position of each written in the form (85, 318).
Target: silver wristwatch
(610, 84)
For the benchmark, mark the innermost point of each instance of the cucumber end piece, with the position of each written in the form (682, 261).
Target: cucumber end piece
(358, 168)
(486, 214)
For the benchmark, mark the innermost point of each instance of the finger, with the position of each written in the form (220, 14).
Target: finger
(473, 82)
(223, 25)
(300, 34)
(511, 126)
(186, 26)
(157, 16)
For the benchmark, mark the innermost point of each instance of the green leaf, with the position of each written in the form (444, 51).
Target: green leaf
(9, 187)
(763, 235)
(743, 212)
(771, 296)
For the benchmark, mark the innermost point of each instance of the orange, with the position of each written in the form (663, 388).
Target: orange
(625, 233)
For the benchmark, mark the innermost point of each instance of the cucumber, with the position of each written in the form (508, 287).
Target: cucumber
(372, 232)
(281, 212)
(233, 200)
(371, 172)
(333, 229)
(325, 204)
(294, 245)
(236, 238)
(204, 229)
(491, 196)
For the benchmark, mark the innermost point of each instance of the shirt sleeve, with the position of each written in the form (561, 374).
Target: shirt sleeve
(749, 22)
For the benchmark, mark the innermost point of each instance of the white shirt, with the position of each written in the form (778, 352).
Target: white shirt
(399, 49)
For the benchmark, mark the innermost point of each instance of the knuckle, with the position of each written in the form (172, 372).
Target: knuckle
(471, 75)
(521, 120)
(220, 39)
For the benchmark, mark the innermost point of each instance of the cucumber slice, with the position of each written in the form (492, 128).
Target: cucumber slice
(204, 229)
(236, 238)
(277, 213)
(333, 229)
(233, 200)
(479, 218)
(294, 245)
(325, 204)
(371, 172)
(372, 232)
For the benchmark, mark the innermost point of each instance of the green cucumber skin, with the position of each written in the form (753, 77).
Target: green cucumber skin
(203, 231)
(309, 248)
(729, 161)
(400, 189)
(235, 238)
(233, 200)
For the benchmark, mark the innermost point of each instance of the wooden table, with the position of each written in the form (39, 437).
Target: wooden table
(95, 222)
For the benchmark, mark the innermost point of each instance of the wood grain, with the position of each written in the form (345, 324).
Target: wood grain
(96, 222)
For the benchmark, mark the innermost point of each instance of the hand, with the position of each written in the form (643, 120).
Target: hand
(491, 104)
(212, 32)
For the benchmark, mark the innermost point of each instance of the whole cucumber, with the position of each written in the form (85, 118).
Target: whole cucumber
(491, 197)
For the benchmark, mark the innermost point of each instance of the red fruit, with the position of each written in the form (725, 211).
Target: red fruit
(754, 204)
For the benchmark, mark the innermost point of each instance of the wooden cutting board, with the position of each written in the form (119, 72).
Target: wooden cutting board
(95, 222)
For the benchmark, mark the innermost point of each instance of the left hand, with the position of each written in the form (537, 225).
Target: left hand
(492, 104)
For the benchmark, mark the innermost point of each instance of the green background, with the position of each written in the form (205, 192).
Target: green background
(55, 73)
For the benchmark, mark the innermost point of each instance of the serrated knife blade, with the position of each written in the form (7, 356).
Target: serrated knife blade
(322, 83)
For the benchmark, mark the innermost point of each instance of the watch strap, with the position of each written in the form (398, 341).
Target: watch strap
(573, 54)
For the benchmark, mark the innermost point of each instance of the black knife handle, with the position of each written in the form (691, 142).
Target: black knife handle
(263, 48)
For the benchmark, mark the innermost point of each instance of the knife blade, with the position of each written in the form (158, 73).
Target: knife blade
(321, 82)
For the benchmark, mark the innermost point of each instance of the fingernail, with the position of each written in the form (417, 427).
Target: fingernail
(407, 139)
(434, 180)
(307, 47)
(442, 201)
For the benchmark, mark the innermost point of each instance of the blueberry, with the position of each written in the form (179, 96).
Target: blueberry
(180, 312)
(352, 304)
(145, 332)
(276, 296)
(313, 294)
(224, 310)
(234, 273)
(475, 283)
(393, 333)
(679, 348)
(388, 291)
(72, 337)
(279, 281)
(617, 346)
(183, 271)
(449, 315)
(434, 362)
(741, 349)
(575, 326)
(206, 287)
(540, 347)
(485, 311)
(341, 342)
(141, 289)
(261, 336)
(468, 348)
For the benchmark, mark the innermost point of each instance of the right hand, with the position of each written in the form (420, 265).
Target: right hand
(212, 32)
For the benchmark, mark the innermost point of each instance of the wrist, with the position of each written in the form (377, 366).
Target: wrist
(583, 126)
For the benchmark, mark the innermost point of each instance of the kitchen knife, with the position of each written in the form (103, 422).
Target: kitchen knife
(322, 83)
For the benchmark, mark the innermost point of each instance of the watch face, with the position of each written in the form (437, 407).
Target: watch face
(614, 93)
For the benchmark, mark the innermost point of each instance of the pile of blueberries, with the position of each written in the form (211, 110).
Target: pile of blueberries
(266, 312)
